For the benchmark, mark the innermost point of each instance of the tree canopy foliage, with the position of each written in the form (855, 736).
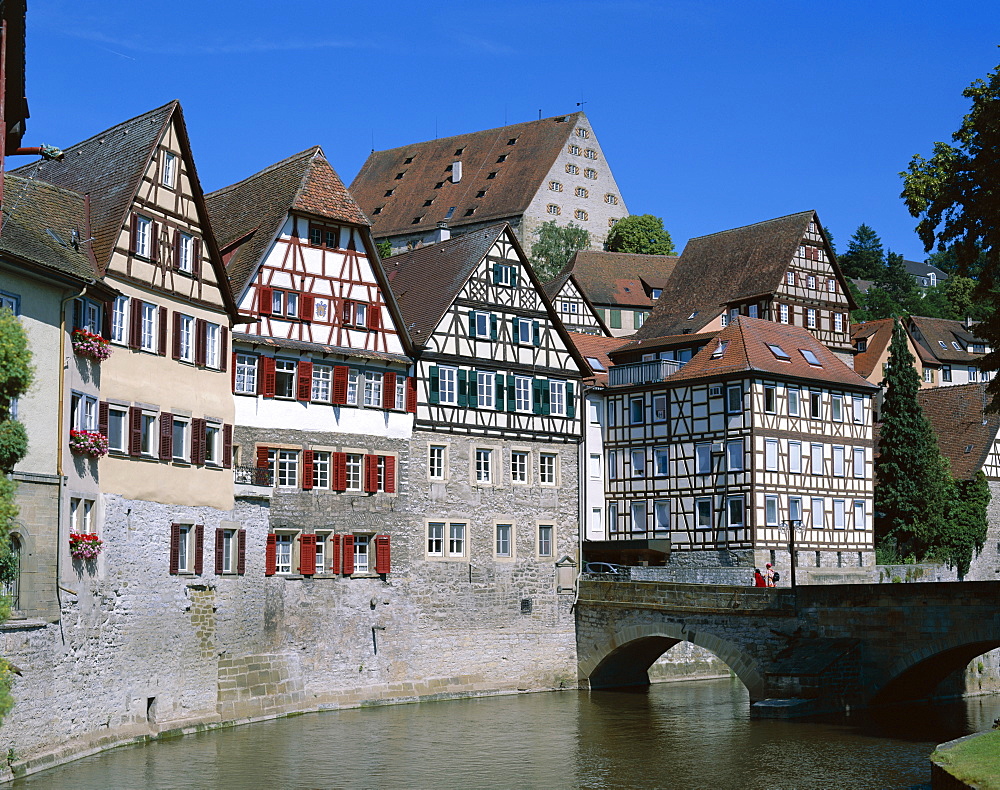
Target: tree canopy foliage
(384, 248)
(640, 233)
(554, 246)
(865, 257)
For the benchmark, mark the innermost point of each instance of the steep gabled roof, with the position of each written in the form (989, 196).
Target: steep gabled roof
(938, 331)
(724, 267)
(596, 347)
(620, 278)
(878, 335)
(15, 104)
(747, 349)
(255, 208)
(517, 179)
(965, 434)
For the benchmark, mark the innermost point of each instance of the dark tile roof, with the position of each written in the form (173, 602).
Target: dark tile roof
(620, 278)
(724, 267)
(935, 331)
(31, 209)
(747, 350)
(15, 104)
(300, 345)
(109, 166)
(917, 269)
(517, 180)
(254, 209)
(633, 350)
(597, 347)
(965, 435)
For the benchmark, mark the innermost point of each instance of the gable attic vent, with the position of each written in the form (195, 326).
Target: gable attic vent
(456, 172)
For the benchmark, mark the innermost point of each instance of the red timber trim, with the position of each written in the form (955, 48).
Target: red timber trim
(337, 551)
(175, 548)
(176, 350)
(411, 394)
(227, 446)
(199, 549)
(264, 300)
(220, 538)
(374, 316)
(200, 334)
(161, 346)
(267, 379)
(304, 374)
(233, 368)
(167, 436)
(371, 474)
(390, 474)
(175, 261)
(348, 558)
(271, 555)
(339, 463)
(307, 555)
(382, 554)
(307, 469)
(154, 241)
(340, 374)
(306, 307)
(103, 417)
(223, 348)
(133, 234)
(389, 390)
(134, 431)
(135, 323)
(241, 555)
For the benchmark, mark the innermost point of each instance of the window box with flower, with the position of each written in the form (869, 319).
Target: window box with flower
(84, 545)
(91, 346)
(89, 443)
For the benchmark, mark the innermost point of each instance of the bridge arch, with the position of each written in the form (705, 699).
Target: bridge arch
(624, 659)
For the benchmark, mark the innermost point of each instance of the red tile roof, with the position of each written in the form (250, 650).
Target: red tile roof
(620, 278)
(965, 434)
(596, 346)
(878, 335)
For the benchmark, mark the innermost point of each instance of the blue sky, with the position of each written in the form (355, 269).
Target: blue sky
(711, 115)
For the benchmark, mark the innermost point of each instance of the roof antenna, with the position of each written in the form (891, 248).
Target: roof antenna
(539, 113)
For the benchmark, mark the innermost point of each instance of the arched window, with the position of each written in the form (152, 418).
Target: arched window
(10, 572)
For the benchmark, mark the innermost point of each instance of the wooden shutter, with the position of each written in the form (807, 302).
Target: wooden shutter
(271, 555)
(234, 371)
(511, 394)
(106, 310)
(227, 446)
(536, 396)
(264, 295)
(306, 307)
(175, 262)
(134, 431)
(220, 539)
(304, 373)
(135, 323)
(196, 258)
(472, 396)
(199, 548)
(339, 463)
(371, 473)
(200, 338)
(103, 417)
(307, 555)
(390, 473)
(348, 311)
(536, 333)
(570, 401)
(337, 551)
(175, 548)
(514, 325)
(348, 558)
(434, 395)
(411, 394)
(499, 398)
(154, 241)
(307, 469)
(463, 388)
(340, 374)
(161, 345)
(134, 237)
(381, 554)
(262, 457)
(374, 317)
(513, 277)
(545, 390)
(223, 348)
(77, 313)
(389, 390)
(198, 440)
(176, 352)
(494, 327)
(167, 436)
(241, 551)
(496, 273)
(267, 379)
(472, 323)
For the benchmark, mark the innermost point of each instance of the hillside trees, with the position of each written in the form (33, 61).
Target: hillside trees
(865, 257)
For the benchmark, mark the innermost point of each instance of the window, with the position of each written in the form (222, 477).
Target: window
(485, 390)
(783, 313)
(117, 417)
(456, 539)
(946, 373)
(185, 253)
(661, 515)
(771, 511)
(229, 551)
(638, 458)
(661, 461)
(612, 464)
(557, 398)
(185, 338)
(119, 320)
(811, 318)
(518, 466)
(703, 513)
(703, 458)
(838, 462)
(838, 322)
(770, 399)
(547, 468)
(590, 173)
(555, 186)
(212, 346)
(435, 462)
(321, 469)
(322, 380)
(286, 469)
(720, 349)
(859, 409)
(837, 408)
(574, 149)
(795, 509)
(522, 393)
(84, 412)
(590, 153)
(595, 521)
(148, 337)
(373, 389)
(929, 375)
(859, 462)
(595, 466)
(582, 133)
(185, 557)
(810, 357)
(973, 373)
(284, 378)
(818, 515)
(860, 522)
(147, 434)
(816, 405)
(143, 236)
(790, 278)
(355, 462)
(816, 461)
(582, 192)
(580, 214)
(400, 392)
(637, 512)
(484, 466)
(659, 408)
(612, 413)
(435, 538)
(735, 511)
(778, 351)
(793, 402)
(636, 411)
(503, 539)
(169, 169)
(572, 169)
(362, 552)
(545, 534)
(955, 345)
(771, 455)
(448, 385)
(611, 200)
(812, 280)
(181, 436)
(839, 514)
(613, 516)
(522, 331)
(552, 208)
(734, 456)
(795, 457)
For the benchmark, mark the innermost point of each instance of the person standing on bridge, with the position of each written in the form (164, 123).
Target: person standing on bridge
(770, 575)
(758, 579)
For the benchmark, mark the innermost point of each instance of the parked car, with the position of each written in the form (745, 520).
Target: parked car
(603, 568)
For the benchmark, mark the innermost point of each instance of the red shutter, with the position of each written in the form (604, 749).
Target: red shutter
(348, 311)
(133, 234)
(374, 316)
(389, 391)
(262, 457)
(307, 555)
(154, 241)
(161, 346)
(234, 371)
(227, 446)
(381, 554)
(167, 436)
(306, 307)
(339, 461)
(223, 348)
(336, 547)
(411, 394)
(199, 549)
(135, 324)
(241, 556)
(390, 474)
(340, 374)
(348, 559)
(103, 417)
(307, 469)
(196, 258)
(177, 336)
(220, 539)
(175, 262)
(134, 430)
(199, 341)
(267, 379)
(175, 547)
(271, 555)
(371, 473)
(264, 300)
(198, 441)
(304, 372)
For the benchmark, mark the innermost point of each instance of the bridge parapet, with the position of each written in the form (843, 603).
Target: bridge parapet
(678, 597)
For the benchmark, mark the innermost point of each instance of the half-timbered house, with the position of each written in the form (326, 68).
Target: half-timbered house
(575, 310)
(320, 377)
(764, 437)
(782, 269)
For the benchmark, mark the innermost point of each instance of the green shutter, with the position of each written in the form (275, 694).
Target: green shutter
(463, 388)
(493, 327)
(496, 273)
(546, 393)
(472, 323)
(499, 388)
(616, 319)
(511, 394)
(536, 396)
(435, 396)
(570, 401)
(515, 324)
(513, 277)
(536, 333)
(473, 389)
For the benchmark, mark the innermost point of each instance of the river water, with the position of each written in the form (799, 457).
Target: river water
(689, 735)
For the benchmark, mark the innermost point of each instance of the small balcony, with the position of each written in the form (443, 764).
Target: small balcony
(253, 476)
(642, 372)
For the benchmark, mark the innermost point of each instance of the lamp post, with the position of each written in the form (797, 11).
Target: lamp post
(793, 524)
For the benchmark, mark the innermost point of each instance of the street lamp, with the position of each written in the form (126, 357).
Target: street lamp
(793, 525)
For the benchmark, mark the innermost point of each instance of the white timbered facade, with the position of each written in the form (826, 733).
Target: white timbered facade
(573, 308)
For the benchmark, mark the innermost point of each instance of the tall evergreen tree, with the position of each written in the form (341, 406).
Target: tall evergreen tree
(898, 284)
(865, 258)
(911, 494)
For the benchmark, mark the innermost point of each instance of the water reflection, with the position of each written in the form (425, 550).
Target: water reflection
(680, 735)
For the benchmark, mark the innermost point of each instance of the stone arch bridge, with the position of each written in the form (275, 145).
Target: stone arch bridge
(797, 650)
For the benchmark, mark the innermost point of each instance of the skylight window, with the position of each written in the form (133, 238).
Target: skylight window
(943, 345)
(810, 357)
(595, 364)
(451, 211)
(408, 160)
(778, 352)
(439, 184)
(692, 315)
(720, 349)
(956, 345)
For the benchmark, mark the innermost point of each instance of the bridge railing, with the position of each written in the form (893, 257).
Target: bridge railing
(677, 596)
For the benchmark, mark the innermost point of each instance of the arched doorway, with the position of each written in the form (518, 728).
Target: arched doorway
(10, 572)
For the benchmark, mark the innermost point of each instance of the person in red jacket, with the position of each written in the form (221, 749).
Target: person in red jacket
(758, 579)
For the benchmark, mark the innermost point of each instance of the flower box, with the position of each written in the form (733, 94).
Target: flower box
(89, 443)
(87, 344)
(84, 545)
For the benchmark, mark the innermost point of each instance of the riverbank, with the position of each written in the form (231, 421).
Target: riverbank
(971, 762)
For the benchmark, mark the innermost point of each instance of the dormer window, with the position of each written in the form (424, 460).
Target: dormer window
(388, 193)
(481, 193)
(469, 212)
(439, 184)
(778, 351)
(693, 314)
(459, 151)
(408, 160)
(492, 175)
(862, 344)
(655, 293)
(451, 212)
(501, 158)
(400, 175)
(512, 141)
